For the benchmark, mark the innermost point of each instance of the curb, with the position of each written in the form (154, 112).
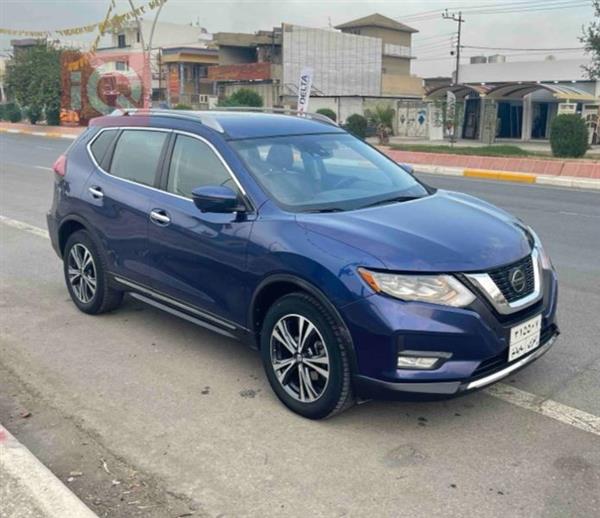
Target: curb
(48, 134)
(30, 489)
(509, 176)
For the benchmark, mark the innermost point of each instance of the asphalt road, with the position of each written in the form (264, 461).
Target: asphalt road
(192, 415)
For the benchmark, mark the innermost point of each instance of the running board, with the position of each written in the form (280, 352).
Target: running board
(181, 314)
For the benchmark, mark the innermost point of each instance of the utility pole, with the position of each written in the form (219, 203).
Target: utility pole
(458, 19)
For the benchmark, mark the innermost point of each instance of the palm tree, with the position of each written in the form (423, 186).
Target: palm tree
(382, 117)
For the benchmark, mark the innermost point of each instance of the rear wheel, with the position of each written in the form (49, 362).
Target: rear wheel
(86, 277)
(305, 357)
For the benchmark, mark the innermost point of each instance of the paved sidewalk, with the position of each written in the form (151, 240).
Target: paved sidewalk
(28, 489)
(41, 130)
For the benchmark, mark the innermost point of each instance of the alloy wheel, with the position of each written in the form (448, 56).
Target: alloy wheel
(81, 271)
(300, 358)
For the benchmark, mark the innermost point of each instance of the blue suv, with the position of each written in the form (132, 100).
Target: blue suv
(351, 277)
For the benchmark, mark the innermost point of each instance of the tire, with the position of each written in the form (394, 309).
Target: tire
(310, 394)
(85, 275)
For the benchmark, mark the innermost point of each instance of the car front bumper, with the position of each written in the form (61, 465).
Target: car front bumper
(371, 387)
(474, 341)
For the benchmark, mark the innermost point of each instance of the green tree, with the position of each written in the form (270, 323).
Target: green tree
(568, 136)
(591, 40)
(357, 125)
(382, 117)
(328, 112)
(33, 78)
(243, 97)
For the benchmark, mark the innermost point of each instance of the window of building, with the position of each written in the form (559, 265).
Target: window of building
(121, 43)
(137, 155)
(100, 146)
(194, 164)
(121, 65)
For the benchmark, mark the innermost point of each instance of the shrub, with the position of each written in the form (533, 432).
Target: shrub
(33, 113)
(243, 97)
(53, 115)
(182, 106)
(328, 113)
(568, 136)
(13, 112)
(357, 125)
(2, 112)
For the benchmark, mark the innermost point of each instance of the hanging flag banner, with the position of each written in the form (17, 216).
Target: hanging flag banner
(304, 86)
(115, 22)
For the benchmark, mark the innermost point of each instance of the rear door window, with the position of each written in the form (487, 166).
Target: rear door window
(137, 155)
(101, 144)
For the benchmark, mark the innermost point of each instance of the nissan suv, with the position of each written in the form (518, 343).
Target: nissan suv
(353, 278)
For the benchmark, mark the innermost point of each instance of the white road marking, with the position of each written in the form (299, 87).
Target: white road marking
(43, 167)
(36, 231)
(546, 407)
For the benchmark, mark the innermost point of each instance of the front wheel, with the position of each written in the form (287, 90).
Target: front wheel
(305, 357)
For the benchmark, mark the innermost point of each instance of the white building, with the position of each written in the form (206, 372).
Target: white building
(518, 99)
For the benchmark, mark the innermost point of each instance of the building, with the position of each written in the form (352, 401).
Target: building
(517, 100)
(179, 58)
(363, 63)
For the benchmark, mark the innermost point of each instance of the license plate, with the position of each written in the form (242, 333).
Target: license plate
(524, 338)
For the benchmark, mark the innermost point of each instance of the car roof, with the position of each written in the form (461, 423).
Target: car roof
(232, 124)
(246, 125)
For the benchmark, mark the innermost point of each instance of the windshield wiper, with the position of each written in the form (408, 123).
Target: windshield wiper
(396, 199)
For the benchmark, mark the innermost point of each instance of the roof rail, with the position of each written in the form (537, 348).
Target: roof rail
(203, 117)
(284, 111)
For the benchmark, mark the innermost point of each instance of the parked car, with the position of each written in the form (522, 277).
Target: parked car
(352, 277)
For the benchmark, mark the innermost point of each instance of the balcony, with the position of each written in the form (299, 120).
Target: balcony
(396, 51)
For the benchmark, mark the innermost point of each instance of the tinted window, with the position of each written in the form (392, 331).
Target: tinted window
(194, 164)
(326, 172)
(100, 146)
(137, 154)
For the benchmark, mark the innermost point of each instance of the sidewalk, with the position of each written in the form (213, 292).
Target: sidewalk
(29, 489)
(41, 130)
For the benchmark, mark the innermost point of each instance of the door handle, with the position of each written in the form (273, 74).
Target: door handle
(160, 217)
(96, 191)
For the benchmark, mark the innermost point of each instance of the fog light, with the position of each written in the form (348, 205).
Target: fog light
(416, 362)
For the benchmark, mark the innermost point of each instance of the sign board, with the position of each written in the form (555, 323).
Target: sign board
(304, 86)
(564, 108)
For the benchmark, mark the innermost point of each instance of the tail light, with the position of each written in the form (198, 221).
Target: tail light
(60, 166)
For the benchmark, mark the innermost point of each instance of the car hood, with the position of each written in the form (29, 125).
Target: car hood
(443, 232)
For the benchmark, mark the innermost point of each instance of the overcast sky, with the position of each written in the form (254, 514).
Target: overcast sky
(490, 23)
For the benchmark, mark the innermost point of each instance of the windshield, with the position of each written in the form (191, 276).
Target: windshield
(326, 172)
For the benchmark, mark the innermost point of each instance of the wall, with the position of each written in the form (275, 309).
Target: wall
(395, 66)
(387, 35)
(344, 64)
(234, 55)
(401, 85)
(558, 70)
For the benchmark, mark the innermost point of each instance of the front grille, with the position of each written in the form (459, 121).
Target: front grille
(502, 278)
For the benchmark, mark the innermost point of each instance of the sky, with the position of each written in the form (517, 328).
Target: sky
(509, 24)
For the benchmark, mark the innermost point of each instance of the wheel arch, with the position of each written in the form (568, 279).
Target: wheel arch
(276, 286)
(69, 225)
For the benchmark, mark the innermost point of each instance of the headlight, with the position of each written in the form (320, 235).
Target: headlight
(437, 289)
(544, 257)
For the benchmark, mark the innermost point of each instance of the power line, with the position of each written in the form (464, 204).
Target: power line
(549, 49)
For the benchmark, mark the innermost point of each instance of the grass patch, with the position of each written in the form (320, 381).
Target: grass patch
(499, 150)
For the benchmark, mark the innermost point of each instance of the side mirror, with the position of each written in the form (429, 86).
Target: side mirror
(217, 198)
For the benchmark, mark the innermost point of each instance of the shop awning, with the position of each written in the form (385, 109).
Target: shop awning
(519, 90)
(460, 91)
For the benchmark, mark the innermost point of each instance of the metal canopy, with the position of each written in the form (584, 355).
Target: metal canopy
(513, 90)
(519, 90)
(460, 91)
